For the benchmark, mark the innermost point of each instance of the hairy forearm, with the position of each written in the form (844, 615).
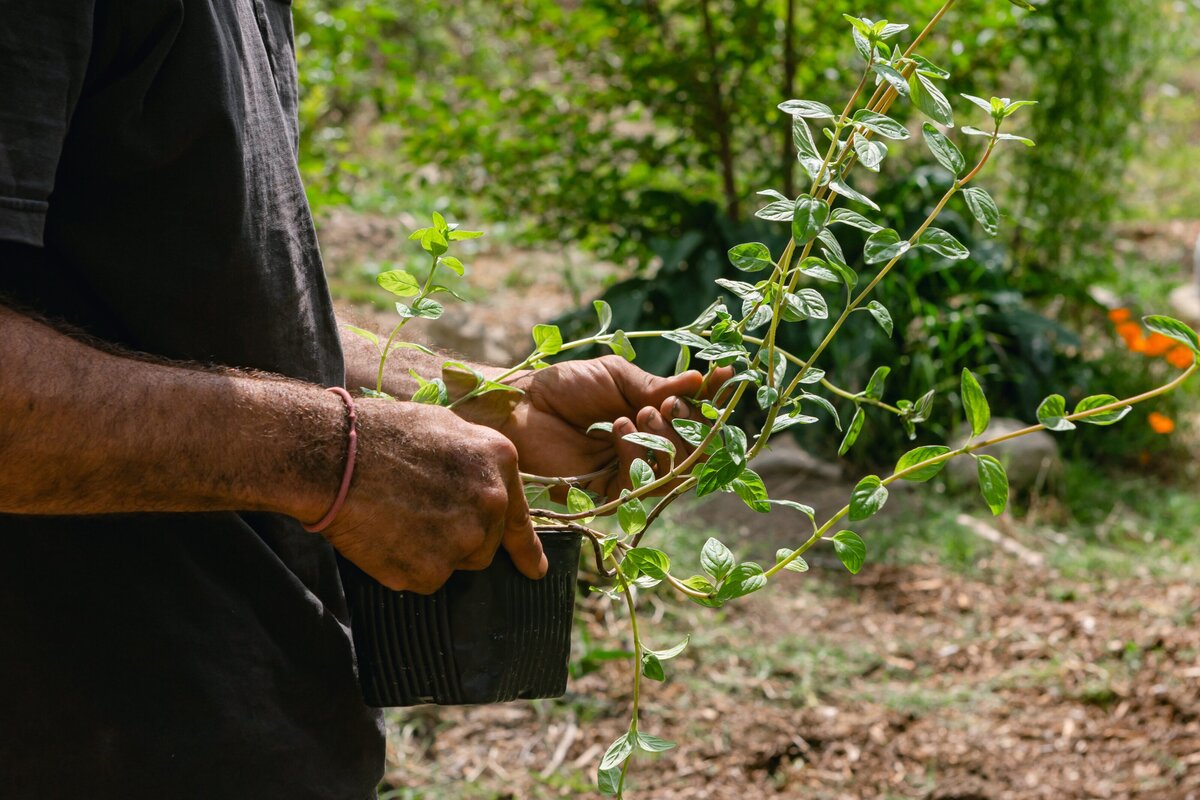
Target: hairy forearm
(89, 432)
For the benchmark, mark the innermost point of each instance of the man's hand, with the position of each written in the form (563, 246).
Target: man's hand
(432, 494)
(549, 425)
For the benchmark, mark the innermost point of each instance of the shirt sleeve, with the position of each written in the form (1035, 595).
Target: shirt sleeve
(44, 51)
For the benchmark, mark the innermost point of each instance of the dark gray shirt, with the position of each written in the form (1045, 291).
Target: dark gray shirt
(149, 195)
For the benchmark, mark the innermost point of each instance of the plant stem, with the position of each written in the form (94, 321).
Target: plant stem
(970, 448)
(637, 668)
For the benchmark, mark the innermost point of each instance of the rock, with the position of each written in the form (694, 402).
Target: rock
(1185, 303)
(1030, 460)
(783, 459)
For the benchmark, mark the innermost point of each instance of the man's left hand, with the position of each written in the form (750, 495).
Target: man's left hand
(549, 423)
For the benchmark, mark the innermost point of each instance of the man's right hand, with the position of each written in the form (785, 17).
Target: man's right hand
(431, 494)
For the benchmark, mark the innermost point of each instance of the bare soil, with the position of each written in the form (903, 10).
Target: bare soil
(902, 682)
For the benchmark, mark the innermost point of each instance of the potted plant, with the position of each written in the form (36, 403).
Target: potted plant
(810, 283)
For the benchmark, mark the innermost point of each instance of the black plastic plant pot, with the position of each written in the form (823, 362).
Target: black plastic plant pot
(485, 637)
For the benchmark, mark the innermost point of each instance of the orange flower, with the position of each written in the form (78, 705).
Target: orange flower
(1180, 357)
(1161, 423)
(1119, 315)
(1129, 331)
(1158, 345)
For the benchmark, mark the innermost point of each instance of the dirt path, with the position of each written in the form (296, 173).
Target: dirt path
(901, 683)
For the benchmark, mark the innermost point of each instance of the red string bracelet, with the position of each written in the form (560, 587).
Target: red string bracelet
(351, 453)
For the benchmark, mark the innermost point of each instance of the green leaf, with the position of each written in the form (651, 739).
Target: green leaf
(850, 193)
(979, 101)
(422, 307)
(807, 303)
(432, 393)
(1106, 418)
(809, 218)
(1011, 137)
(797, 564)
(884, 245)
(929, 69)
(364, 334)
(604, 314)
(717, 472)
(893, 78)
(882, 125)
(852, 432)
(1025, 4)
(608, 781)
(399, 283)
(640, 473)
(617, 752)
(877, 310)
(870, 152)
(690, 431)
(854, 220)
(825, 404)
(919, 455)
(929, 98)
(580, 502)
(805, 146)
(653, 744)
(602, 427)
(803, 509)
(767, 396)
(619, 344)
(742, 580)
(649, 561)
(716, 559)
(631, 516)
(808, 109)
(751, 257)
(652, 668)
(458, 236)
(975, 404)
(1174, 329)
(548, 339)
(868, 497)
(1016, 105)
(851, 550)
(779, 211)
(983, 208)
(944, 150)
(942, 243)
(876, 385)
(652, 441)
(1052, 413)
(670, 652)
(749, 486)
(453, 264)
(993, 483)
(970, 130)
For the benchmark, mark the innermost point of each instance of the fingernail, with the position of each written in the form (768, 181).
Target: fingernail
(678, 409)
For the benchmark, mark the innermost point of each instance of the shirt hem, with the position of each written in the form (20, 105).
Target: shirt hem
(23, 221)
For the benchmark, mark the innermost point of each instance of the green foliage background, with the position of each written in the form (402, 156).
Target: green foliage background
(643, 128)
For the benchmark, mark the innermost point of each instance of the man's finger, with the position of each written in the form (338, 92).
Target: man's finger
(520, 540)
(650, 420)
